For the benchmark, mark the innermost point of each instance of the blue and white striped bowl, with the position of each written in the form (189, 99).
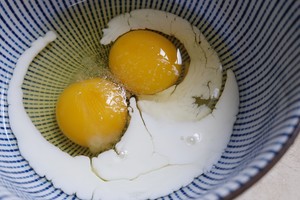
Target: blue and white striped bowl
(258, 39)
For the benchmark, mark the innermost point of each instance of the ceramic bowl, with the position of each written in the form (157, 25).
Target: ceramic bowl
(258, 40)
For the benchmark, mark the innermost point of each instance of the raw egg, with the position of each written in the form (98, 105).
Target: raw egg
(145, 62)
(166, 143)
(92, 113)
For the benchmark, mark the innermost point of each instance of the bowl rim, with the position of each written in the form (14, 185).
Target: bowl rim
(264, 170)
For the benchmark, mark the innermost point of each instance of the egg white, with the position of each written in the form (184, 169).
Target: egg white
(157, 154)
(133, 155)
(205, 69)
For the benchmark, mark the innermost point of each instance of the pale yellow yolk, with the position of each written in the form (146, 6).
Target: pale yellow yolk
(145, 62)
(92, 113)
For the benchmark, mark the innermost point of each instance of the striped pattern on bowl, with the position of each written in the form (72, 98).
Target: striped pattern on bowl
(259, 40)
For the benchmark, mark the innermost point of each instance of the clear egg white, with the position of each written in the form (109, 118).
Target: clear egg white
(155, 150)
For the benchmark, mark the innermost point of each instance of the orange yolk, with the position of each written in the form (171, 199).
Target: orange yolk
(145, 62)
(92, 113)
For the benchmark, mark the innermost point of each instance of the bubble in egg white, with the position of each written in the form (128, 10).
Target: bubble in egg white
(192, 140)
(154, 150)
(122, 154)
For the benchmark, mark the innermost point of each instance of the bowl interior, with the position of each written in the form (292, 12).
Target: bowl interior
(71, 58)
(258, 40)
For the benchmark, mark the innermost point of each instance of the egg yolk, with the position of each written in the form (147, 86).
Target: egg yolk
(145, 62)
(92, 113)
